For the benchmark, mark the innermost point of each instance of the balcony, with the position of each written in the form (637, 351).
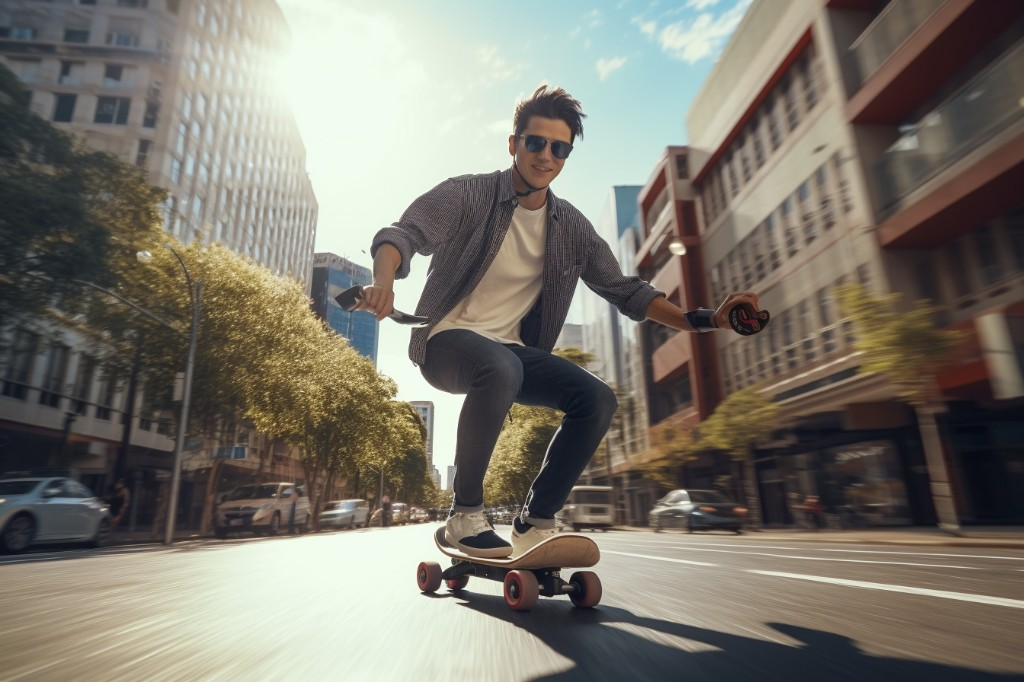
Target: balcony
(990, 103)
(887, 32)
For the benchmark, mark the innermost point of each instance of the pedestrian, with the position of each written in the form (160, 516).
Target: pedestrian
(385, 511)
(120, 500)
(506, 258)
(814, 512)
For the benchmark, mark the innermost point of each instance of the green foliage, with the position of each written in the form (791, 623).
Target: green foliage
(739, 421)
(671, 445)
(906, 347)
(66, 210)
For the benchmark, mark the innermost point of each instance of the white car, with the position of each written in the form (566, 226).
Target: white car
(35, 511)
(262, 508)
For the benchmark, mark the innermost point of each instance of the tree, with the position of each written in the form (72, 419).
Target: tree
(736, 424)
(65, 210)
(671, 445)
(909, 351)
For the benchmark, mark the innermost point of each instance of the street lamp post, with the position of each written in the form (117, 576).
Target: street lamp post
(195, 293)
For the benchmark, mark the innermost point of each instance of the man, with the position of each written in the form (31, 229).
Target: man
(506, 257)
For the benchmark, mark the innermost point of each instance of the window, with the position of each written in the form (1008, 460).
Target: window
(1015, 232)
(122, 39)
(773, 125)
(76, 35)
(83, 382)
(21, 33)
(682, 170)
(112, 110)
(142, 155)
(64, 110)
(20, 358)
(53, 376)
(112, 75)
(755, 135)
(790, 227)
(988, 254)
(71, 73)
(149, 119)
(105, 397)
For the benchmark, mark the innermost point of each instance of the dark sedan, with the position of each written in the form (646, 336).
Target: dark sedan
(697, 510)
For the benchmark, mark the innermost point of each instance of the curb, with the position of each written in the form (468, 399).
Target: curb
(937, 540)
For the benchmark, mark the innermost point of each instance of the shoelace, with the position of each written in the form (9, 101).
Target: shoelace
(478, 523)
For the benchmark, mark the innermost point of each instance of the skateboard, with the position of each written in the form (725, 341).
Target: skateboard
(526, 577)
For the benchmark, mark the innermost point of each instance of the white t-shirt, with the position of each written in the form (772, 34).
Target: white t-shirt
(510, 286)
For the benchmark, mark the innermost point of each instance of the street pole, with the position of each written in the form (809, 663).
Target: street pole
(186, 395)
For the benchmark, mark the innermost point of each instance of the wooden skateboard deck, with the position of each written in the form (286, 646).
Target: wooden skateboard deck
(526, 577)
(562, 550)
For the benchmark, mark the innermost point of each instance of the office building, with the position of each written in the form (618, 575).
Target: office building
(331, 275)
(425, 409)
(184, 89)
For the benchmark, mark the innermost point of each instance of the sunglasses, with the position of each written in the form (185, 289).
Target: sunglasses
(536, 143)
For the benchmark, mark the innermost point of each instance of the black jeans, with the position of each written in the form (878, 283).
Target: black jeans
(493, 376)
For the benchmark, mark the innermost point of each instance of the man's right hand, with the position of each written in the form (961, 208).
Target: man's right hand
(378, 300)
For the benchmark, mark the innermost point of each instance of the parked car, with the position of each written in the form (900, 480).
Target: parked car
(262, 508)
(399, 514)
(588, 506)
(697, 510)
(35, 511)
(418, 515)
(344, 514)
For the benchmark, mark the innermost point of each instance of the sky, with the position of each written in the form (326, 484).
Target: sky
(394, 96)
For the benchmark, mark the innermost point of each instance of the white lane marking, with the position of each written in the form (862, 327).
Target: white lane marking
(815, 558)
(824, 549)
(942, 594)
(658, 558)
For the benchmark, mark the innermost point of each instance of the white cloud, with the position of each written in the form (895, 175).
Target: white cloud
(495, 66)
(703, 37)
(647, 27)
(701, 5)
(606, 67)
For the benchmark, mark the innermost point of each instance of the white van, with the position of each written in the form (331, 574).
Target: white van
(588, 506)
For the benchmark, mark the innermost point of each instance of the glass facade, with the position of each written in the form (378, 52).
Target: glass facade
(332, 275)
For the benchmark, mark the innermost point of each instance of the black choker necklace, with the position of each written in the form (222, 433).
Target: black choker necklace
(531, 189)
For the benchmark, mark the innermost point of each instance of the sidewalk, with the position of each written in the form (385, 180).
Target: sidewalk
(995, 537)
(1007, 537)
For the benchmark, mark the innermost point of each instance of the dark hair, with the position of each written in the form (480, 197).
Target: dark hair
(550, 103)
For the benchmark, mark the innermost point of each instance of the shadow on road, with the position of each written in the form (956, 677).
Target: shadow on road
(603, 643)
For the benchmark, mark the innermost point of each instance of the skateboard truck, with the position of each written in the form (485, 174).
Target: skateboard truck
(350, 298)
(745, 320)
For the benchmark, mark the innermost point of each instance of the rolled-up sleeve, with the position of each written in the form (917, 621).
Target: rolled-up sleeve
(603, 275)
(431, 220)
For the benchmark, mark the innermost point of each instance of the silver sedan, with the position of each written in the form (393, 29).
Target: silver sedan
(50, 510)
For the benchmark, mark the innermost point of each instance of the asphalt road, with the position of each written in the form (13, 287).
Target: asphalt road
(345, 606)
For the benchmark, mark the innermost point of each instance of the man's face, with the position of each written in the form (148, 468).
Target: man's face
(540, 168)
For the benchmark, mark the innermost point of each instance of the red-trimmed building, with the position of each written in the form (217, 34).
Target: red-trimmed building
(838, 141)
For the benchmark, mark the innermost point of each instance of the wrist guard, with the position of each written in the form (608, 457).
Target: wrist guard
(701, 319)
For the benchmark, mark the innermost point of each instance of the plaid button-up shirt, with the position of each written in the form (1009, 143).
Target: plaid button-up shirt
(462, 222)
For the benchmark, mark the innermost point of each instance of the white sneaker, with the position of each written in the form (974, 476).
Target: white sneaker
(526, 536)
(472, 534)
